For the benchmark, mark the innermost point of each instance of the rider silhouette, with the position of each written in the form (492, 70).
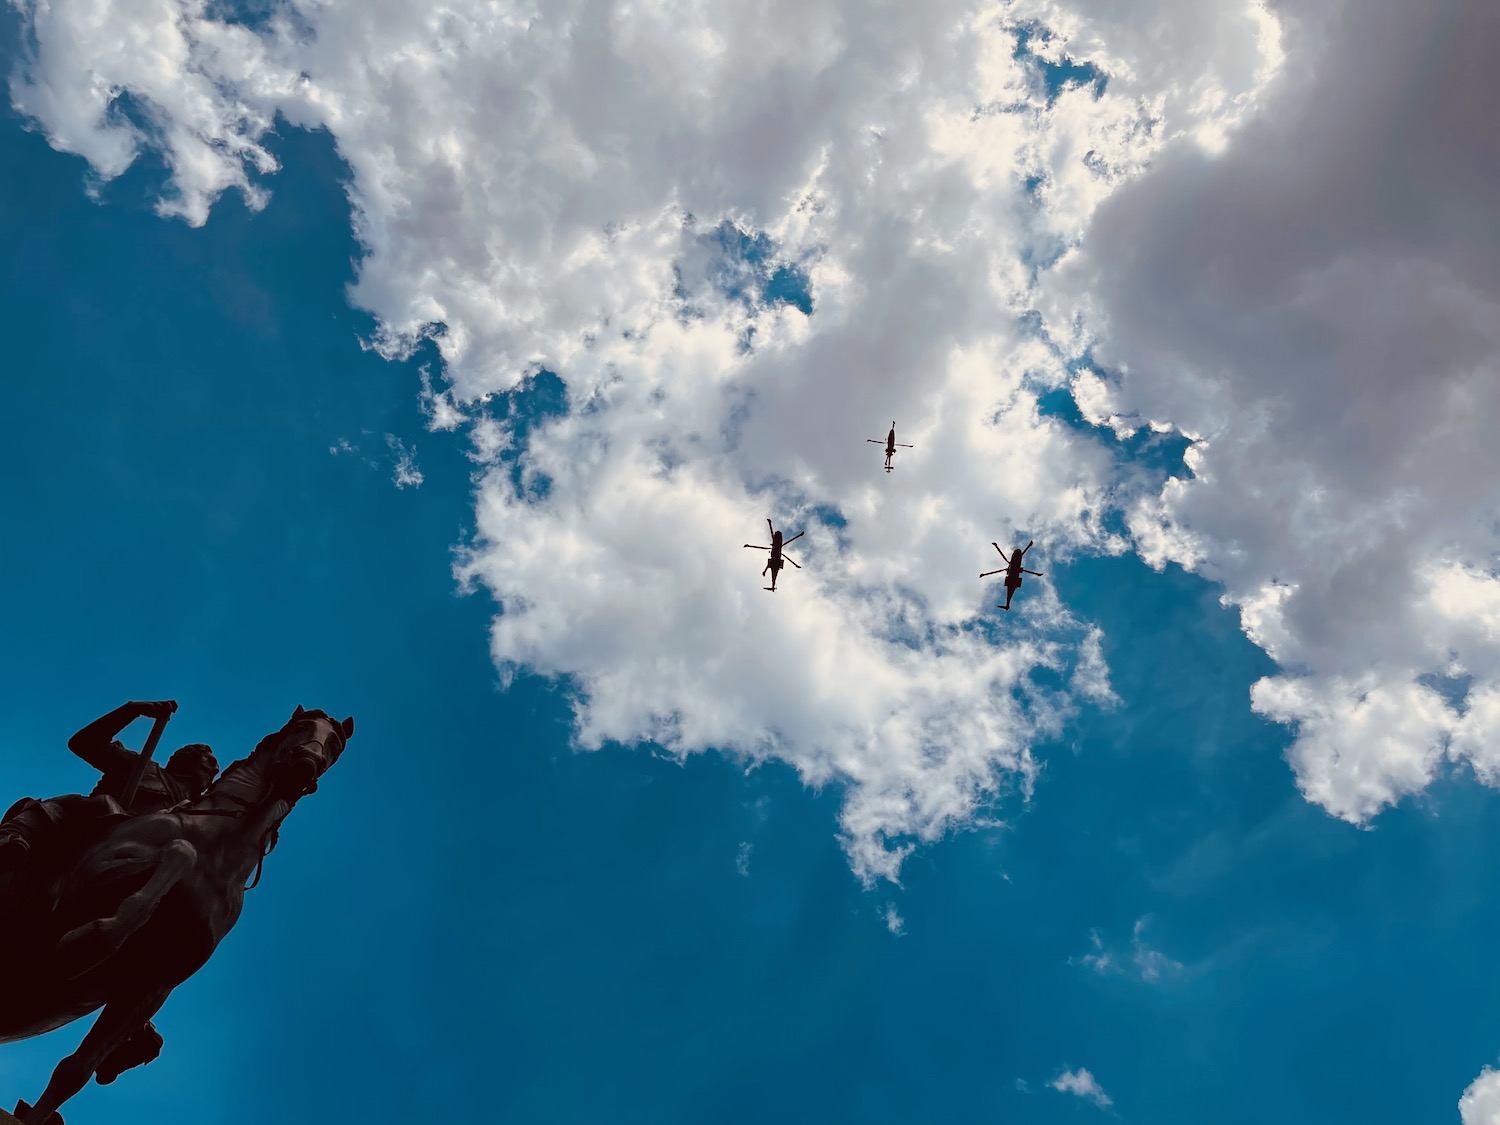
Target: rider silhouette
(189, 772)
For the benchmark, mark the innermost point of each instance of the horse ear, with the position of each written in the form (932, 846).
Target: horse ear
(347, 727)
(297, 714)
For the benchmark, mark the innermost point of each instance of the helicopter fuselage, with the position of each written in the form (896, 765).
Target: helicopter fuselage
(774, 563)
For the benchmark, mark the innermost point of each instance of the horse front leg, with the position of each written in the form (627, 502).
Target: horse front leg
(118, 1022)
(85, 947)
(140, 1047)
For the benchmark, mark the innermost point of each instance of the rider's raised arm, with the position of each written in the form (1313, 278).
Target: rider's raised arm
(96, 744)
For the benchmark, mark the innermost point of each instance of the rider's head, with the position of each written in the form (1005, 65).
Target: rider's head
(194, 765)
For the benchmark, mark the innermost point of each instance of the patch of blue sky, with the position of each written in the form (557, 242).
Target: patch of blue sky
(248, 13)
(746, 266)
(260, 16)
(130, 111)
(829, 516)
(789, 285)
(540, 396)
(1055, 76)
(1146, 451)
(1453, 689)
(1144, 459)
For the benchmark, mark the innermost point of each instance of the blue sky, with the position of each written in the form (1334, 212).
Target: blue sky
(476, 920)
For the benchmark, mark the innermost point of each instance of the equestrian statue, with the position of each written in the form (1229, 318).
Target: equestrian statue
(112, 900)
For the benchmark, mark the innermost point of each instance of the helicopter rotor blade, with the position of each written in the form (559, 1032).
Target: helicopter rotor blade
(900, 445)
(987, 573)
(794, 562)
(794, 538)
(874, 441)
(757, 546)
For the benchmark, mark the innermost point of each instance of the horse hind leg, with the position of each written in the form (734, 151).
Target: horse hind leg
(86, 946)
(119, 1022)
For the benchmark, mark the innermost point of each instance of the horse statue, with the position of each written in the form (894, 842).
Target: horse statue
(119, 918)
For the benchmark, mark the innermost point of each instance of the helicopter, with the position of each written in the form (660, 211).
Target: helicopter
(890, 446)
(1013, 571)
(777, 558)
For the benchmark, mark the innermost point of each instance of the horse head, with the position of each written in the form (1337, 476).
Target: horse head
(304, 749)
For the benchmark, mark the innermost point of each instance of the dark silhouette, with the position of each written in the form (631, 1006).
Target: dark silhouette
(890, 446)
(132, 783)
(1013, 571)
(777, 558)
(117, 910)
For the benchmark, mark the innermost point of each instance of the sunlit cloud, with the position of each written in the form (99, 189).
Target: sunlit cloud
(744, 239)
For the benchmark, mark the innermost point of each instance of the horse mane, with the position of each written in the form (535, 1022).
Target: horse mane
(265, 745)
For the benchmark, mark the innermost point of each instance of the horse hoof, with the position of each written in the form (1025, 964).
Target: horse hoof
(23, 1111)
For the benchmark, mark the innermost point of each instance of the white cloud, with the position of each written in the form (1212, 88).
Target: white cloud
(1140, 962)
(438, 406)
(1081, 1084)
(1319, 305)
(1091, 675)
(1100, 960)
(405, 472)
(176, 66)
(548, 186)
(1480, 1104)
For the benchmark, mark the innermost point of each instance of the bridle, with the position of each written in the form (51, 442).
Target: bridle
(272, 835)
(267, 841)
